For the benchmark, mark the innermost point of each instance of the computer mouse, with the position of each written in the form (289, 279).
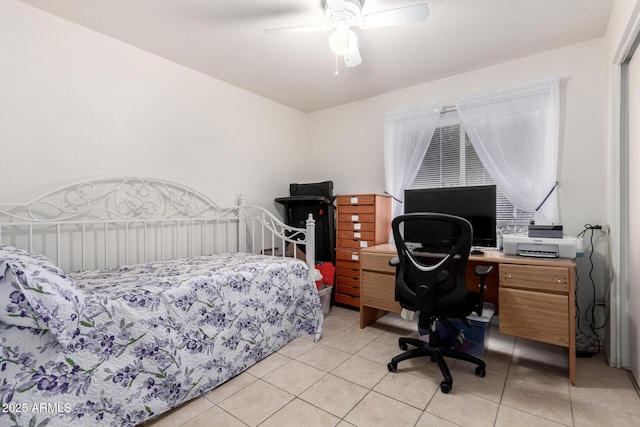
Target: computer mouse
(477, 252)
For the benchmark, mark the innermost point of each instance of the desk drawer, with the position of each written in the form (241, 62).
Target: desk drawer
(378, 262)
(379, 291)
(535, 277)
(539, 316)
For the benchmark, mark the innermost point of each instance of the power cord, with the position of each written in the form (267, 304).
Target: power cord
(584, 341)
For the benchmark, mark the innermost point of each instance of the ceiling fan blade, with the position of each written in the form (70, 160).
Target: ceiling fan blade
(300, 29)
(353, 59)
(402, 15)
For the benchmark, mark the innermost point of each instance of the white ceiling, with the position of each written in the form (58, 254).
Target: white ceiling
(225, 39)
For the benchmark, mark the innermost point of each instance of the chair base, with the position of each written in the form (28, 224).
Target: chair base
(436, 354)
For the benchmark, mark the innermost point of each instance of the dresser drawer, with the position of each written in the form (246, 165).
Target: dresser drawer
(348, 217)
(356, 235)
(539, 316)
(357, 209)
(535, 277)
(349, 300)
(348, 290)
(348, 286)
(361, 199)
(378, 262)
(348, 272)
(348, 281)
(356, 226)
(351, 265)
(347, 255)
(355, 244)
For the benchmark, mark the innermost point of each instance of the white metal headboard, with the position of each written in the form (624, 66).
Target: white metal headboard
(108, 222)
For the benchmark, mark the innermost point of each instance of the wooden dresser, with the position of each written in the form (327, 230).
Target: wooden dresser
(364, 220)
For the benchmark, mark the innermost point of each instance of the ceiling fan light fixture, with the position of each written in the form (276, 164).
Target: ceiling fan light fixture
(343, 41)
(342, 15)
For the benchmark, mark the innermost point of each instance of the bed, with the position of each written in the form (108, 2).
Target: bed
(122, 298)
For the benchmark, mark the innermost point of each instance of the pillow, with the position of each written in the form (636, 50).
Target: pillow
(35, 293)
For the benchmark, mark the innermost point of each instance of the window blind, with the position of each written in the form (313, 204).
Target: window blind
(451, 161)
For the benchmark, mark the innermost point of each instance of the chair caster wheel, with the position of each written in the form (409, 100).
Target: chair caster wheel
(391, 367)
(445, 387)
(404, 346)
(481, 372)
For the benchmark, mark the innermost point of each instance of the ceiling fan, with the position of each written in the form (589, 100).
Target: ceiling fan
(341, 15)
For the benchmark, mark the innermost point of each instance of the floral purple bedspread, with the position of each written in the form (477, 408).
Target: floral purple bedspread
(153, 336)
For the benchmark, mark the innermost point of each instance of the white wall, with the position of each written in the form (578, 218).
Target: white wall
(75, 104)
(346, 142)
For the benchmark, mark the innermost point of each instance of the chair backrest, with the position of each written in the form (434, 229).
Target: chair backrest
(432, 276)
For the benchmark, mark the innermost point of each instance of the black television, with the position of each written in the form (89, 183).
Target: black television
(477, 204)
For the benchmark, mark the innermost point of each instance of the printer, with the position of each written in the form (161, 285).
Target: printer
(566, 247)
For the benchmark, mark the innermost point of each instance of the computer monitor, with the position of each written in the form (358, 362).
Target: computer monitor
(477, 204)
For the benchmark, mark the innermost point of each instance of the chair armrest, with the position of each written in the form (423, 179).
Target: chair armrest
(393, 262)
(483, 270)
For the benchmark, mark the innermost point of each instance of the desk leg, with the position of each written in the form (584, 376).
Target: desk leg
(369, 315)
(572, 326)
(572, 366)
(572, 344)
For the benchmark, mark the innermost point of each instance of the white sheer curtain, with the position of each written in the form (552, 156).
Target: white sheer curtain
(407, 135)
(515, 133)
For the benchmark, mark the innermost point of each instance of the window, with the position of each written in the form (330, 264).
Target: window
(451, 161)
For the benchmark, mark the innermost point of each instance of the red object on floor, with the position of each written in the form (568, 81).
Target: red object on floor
(328, 272)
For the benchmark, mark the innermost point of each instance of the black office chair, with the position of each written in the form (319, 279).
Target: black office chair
(431, 280)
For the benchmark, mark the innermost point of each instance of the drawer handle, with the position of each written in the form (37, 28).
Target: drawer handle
(508, 276)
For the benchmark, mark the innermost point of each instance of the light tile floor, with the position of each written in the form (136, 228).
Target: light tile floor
(343, 381)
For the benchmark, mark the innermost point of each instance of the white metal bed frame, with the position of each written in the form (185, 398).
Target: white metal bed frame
(115, 221)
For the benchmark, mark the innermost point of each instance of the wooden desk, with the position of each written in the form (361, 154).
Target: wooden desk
(535, 297)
